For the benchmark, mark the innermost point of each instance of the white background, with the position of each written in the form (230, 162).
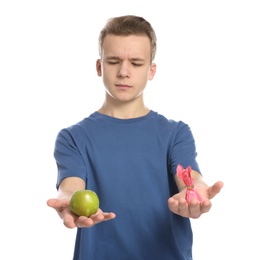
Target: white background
(208, 76)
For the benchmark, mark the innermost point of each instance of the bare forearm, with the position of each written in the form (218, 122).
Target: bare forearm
(69, 185)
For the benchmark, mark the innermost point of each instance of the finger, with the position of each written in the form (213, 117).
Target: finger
(52, 203)
(195, 209)
(69, 221)
(109, 216)
(215, 189)
(58, 204)
(84, 222)
(205, 206)
(104, 216)
(88, 222)
(179, 207)
(183, 208)
(173, 205)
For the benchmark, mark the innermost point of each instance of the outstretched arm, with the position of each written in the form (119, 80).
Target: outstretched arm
(178, 204)
(61, 204)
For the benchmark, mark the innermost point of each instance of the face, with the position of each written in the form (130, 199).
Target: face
(125, 66)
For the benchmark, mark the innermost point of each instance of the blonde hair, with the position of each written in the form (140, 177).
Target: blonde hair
(129, 25)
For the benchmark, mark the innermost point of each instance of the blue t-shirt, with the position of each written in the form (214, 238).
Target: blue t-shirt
(130, 164)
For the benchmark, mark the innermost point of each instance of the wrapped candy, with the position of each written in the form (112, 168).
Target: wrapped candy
(185, 175)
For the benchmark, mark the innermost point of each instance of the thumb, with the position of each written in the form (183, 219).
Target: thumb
(215, 189)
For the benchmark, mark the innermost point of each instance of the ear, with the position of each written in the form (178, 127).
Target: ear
(98, 68)
(152, 71)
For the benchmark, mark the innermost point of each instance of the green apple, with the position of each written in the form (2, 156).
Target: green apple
(84, 203)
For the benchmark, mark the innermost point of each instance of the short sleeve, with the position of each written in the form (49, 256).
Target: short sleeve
(68, 158)
(183, 149)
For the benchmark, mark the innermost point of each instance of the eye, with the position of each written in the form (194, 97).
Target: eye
(112, 62)
(137, 64)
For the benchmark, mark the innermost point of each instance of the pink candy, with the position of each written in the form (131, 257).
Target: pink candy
(185, 175)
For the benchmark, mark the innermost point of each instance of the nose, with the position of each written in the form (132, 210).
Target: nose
(123, 70)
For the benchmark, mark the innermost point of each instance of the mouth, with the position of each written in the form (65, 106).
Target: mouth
(122, 86)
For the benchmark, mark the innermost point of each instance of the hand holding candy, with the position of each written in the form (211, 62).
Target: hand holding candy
(190, 202)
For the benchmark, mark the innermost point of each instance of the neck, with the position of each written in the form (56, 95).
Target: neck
(124, 110)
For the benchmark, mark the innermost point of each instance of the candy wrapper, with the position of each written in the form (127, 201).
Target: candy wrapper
(185, 175)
